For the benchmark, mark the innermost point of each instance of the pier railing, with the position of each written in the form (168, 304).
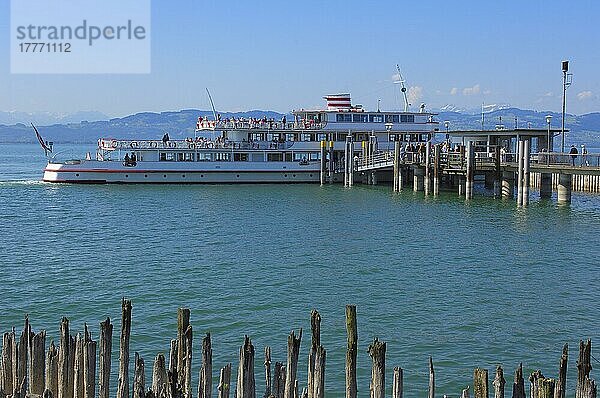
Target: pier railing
(258, 125)
(132, 145)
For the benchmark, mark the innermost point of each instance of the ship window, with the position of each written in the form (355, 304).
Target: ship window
(308, 137)
(376, 118)
(291, 137)
(392, 118)
(298, 156)
(275, 157)
(203, 157)
(321, 137)
(224, 157)
(356, 118)
(343, 117)
(393, 137)
(180, 157)
(407, 118)
(288, 156)
(314, 156)
(240, 157)
(166, 156)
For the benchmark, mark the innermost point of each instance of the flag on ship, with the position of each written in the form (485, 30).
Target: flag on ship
(43, 144)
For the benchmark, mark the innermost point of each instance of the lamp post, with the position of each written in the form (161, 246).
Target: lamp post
(566, 83)
(447, 125)
(548, 120)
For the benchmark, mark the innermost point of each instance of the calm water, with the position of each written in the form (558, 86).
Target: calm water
(472, 284)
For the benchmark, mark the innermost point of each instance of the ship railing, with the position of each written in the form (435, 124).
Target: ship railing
(258, 125)
(133, 145)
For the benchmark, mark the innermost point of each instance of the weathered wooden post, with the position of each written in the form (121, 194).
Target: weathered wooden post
(519, 383)
(436, 170)
(71, 365)
(396, 167)
(183, 329)
(159, 376)
(205, 379)
(533, 380)
(8, 343)
(545, 388)
(465, 393)
(561, 384)
(319, 373)
(480, 383)
(427, 184)
(224, 381)
(37, 365)
(267, 372)
(526, 176)
(293, 349)
(78, 368)
(246, 387)
(173, 358)
(123, 383)
(279, 380)
(377, 352)
(323, 175)
(584, 366)
(139, 380)
(89, 365)
(106, 332)
(315, 327)
(470, 170)
(52, 370)
(499, 382)
(431, 393)
(63, 361)
(398, 384)
(19, 359)
(520, 152)
(351, 351)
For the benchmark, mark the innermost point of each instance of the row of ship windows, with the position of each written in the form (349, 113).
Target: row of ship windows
(238, 157)
(373, 118)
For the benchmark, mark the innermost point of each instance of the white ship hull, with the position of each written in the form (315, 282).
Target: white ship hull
(102, 172)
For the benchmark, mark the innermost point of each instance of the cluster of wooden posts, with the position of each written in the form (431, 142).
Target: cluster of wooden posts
(69, 371)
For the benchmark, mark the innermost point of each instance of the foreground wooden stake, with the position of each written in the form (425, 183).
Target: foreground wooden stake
(293, 350)
(37, 365)
(534, 386)
(499, 382)
(78, 368)
(583, 367)
(89, 368)
(465, 393)
(279, 380)
(267, 372)
(398, 383)
(63, 361)
(183, 323)
(319, 373)
(519, 383)
(480, 383)
(351, 351)
(123, 383)
(561, 384)
(246, 387)
(377, 352)
(224, 382)
(139, 380)
(8, 341)
(159, 377)
(431, 379)
(315, 327)
(106, 332)
(52, 370)
(205, 379)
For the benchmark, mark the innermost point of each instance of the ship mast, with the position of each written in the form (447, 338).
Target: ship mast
(403, 89)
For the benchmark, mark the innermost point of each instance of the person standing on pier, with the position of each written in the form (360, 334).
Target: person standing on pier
(573, 152)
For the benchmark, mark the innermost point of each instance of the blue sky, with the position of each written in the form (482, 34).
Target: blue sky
(285, 55)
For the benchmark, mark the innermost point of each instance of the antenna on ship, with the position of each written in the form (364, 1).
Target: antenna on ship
(403, 89)
(212, 104)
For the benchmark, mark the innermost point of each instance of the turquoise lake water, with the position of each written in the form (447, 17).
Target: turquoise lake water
(472, 284)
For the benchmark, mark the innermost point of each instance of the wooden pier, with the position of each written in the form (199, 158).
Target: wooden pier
(27, 369)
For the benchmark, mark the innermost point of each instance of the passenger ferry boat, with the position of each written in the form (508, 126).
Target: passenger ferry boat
(247, 150)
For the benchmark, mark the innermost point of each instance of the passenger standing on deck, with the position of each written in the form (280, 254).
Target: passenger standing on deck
(283, 121)
(584, 159)
(126, 163)
(573, 152)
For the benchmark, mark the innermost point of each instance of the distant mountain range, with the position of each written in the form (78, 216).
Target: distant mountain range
(180, 124)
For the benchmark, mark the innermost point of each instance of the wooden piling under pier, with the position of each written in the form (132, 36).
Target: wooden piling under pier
(165, 382)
